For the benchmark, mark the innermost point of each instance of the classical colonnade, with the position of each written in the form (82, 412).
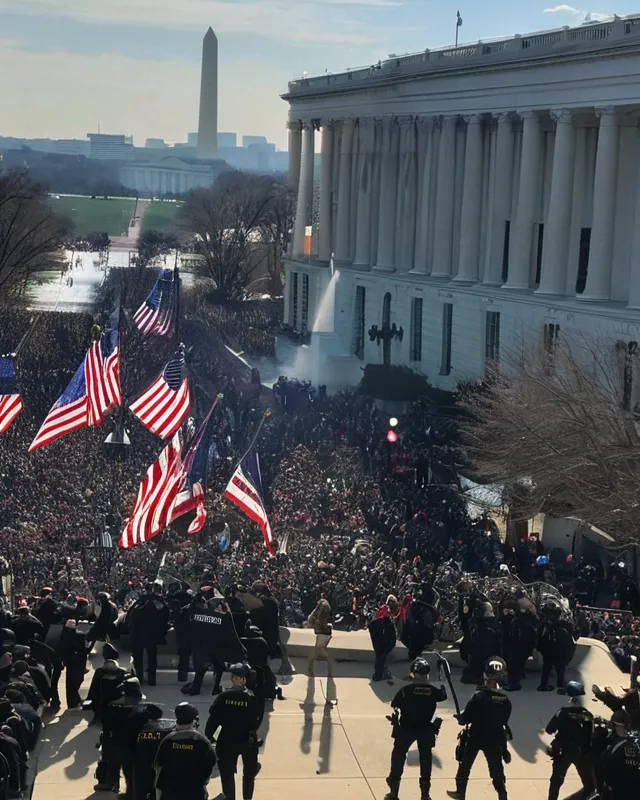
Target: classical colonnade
(388, 198)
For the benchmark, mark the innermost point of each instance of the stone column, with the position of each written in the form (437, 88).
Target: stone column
(305, 189)
(421, 254)
(388, 194)
(326, 193)
(555, 245)
(471, 212)
(295, 151)
(443, 227)
(598, 284)
(344, 192)
(634, 267)
(501, 199)
(365, 171)
(407, 189)
(521, 239)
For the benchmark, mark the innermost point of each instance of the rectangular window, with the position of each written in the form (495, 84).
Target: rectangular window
(415, 353)
(583, 259)
(294, 301)
(447, 327)
(492, 338)
(539, 253)
(359, 323)
(551, 331)
(505, 251)
(305, 303)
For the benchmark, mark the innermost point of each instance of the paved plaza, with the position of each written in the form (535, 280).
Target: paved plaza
(315, 751)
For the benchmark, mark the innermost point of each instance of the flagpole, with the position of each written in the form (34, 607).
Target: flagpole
(176, 280)
(25, 338)
(266, 414)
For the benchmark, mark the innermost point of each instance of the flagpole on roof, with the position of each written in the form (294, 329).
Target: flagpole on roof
(458, 25)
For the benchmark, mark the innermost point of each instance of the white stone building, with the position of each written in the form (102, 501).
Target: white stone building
(481, 198)
(169, 175)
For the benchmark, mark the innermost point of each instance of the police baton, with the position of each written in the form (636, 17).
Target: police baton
(443, 667)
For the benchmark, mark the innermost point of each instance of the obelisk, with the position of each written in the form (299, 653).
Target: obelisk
(207, 147)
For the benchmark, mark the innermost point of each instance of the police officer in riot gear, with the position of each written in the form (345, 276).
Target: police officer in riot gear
(235, 712)
(185, 759)
(573, 728)
(117, 753)
(179, 599)
(621, 765)
(414, 706)
(147, 743)
(556, 645)
(487, 717)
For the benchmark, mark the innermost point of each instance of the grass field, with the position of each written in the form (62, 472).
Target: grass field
(95, 216)
(161, 216)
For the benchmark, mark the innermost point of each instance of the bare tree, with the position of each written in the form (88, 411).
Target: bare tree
(31, 233)
(226, 221)
(276, 232)
(562, 434)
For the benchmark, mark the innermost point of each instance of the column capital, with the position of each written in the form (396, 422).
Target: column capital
(503, 117)
(348, 122)
(449, 119)
(366, 122)
(473, 119)
(294, 124)
(561, 115)
(608, 115)
(527, 114)
(307, 125)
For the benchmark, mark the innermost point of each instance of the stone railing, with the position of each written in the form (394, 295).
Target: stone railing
(617, 29)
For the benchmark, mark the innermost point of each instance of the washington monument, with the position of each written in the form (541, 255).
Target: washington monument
(208, 122)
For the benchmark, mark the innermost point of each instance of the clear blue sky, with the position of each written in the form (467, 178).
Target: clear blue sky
(132, 66)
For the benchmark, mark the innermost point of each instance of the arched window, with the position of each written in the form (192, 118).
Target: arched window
(386, 311)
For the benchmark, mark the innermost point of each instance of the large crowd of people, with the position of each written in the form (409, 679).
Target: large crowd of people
(372, 534)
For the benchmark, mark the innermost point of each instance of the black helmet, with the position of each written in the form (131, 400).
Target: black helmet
(186, 713)
(495, 669)
(7, 636)
(239, 670)
(420, 666)
(574, 689)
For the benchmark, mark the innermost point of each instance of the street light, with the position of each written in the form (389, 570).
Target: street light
(393, 421)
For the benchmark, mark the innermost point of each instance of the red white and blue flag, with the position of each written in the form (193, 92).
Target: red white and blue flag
(173, 486)
(162, 408)
(110, 347)
(10, 402)
(193, 482)
(151, 511)
(93, 390)
(245, 491)
(81, 405)
(157, 314)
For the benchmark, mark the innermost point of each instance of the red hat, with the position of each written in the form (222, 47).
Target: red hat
(82, 600)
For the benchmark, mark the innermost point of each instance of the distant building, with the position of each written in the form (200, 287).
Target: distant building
(169, 175)
(155, 143)
(71, 147)
(227, 139)
(110, 147)
(192, 139)
(247, 141)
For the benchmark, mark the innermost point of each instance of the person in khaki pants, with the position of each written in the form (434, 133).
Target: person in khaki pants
(320, 621)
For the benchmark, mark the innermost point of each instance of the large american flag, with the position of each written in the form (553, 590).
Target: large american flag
(172, 487)
(82, 404)
(163, 407)
(110, 347)
(10, 402)
(245, 491)
(151, 511)
(156, 314)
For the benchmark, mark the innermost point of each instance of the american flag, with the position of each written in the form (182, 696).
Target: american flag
(172, 487)
(163, 407)
(193, 482)
(151, 511)
(10, 402)
(156, 314)
(82, 404)
(245, 491)
(110, 346)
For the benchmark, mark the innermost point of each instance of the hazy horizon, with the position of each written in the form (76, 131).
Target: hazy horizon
(133, 66)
